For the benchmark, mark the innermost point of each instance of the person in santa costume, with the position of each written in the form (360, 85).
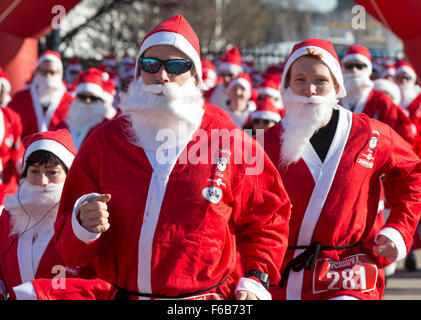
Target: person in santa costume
(45, 103)
(229, 68)
(71, 72)
(27, 221)
(11, 149)
(209, 75)
(362, 98)
(271, 88)
(87, 111)
(388, 72)
(109, 93)
(156, 221)
(265, 116)
(331, 161)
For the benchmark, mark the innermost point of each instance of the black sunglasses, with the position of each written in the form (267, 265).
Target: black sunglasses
(258, 121)
(357, 65)
(226, 75)
(85, 97)
(175, 66)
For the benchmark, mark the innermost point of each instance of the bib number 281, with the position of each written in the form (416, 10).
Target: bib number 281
(355, 272)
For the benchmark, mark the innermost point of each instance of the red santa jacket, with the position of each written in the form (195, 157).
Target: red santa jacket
(11, 151)
(335, 203)
(380, 106)
(177, 234)
(16, 259)
(32, 115)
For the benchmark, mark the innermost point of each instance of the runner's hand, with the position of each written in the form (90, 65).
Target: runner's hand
(94, 215)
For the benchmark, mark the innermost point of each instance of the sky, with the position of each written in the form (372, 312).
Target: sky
(311, 5)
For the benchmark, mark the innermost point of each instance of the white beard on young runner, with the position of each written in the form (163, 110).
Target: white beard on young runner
(355, 83)
(408, 93)
(36, 201)
(48, 87)
(151, 108)
(304, 116)
(81, 115)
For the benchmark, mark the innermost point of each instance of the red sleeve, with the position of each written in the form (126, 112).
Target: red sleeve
(402, 184)
(263, 217)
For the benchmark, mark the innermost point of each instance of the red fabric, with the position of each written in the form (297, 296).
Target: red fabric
(9, 262)
(214, 109)
(358, 49)
(350, 209)
(194, 241)
(23, 105)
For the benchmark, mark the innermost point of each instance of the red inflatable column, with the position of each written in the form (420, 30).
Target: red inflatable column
(18, 58)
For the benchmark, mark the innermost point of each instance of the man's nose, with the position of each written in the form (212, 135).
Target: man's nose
(162, 76)
(310, 90)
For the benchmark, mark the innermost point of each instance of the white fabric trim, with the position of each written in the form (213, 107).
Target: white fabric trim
(396, 237)
(24, 253)
(268, 115)
(80, 232)
(43, 120)
(6, 83)
(243, 82)
(327, 58)
(25, 291)
(269, 92)
(171, 39)
(359, 108)
(38, 248)
(52, 146)
(359, 57)
(90, 87)
(324, 180)
(254, 287)
(408, 70)
(234, 68)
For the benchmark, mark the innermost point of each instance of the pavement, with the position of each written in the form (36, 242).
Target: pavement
(403, 285)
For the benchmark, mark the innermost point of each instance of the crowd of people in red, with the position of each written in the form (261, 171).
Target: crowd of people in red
(101, 199)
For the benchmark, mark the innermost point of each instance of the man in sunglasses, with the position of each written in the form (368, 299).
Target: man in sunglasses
(229, 68)
(45, 103)
(362, 98)
(405, 78)
(87, 111)
(155, 222)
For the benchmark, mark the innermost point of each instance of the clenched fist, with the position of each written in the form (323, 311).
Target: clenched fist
(94, 215)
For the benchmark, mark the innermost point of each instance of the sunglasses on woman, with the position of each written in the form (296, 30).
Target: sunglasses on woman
(357, 65)
(174, 66)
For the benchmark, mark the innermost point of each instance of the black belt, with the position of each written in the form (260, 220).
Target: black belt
(307, 259)
(124, 294)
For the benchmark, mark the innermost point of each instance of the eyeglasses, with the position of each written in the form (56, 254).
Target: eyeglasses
(85, 97)
(223, 75)
(174, 66)
(261, 121)
(351, 65)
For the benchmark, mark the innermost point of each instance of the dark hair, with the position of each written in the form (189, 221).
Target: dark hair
(42, 157)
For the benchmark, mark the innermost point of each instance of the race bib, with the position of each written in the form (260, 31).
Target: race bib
(357, 272)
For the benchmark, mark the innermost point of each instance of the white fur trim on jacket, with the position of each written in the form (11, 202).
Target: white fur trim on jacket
(25, 291)
(80, 232)
(397, 238)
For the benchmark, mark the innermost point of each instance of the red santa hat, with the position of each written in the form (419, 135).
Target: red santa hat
(109, 91)
(270, 87)
(109, 60)
(175, 32)
(232, 61)
(58, 142)
(359, 53)
(50, 55)
(245, 81)
(74, 64)
(388, 70)
(403, 66)
(329, 57)
(127, 59)
(91, 81)
(5, 81)
(266, 110)
(209, 76)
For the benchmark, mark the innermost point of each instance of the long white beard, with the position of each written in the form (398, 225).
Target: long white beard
(82, 115)
(151, 108)
(304, 116)
(40, 203)
(46, 88)
(408, 93)
(355, 83)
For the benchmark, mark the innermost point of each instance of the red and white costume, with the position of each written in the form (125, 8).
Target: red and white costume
(335, 203)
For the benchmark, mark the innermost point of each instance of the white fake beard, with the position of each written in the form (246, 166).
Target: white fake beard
(354, 84)
(408, 93)
(151, 108)
(47, 87)
(304, 116)
(37, 201)
(82, 115)
(7, 98)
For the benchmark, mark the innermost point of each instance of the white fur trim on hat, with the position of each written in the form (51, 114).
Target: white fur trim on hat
(90, 87)
(359, 57)
(408, 70)
(106, 96)
(171, 39)
(269, 92)
(52, 146)
(271, 116)
(327, 58)
(51, 57)
(243, 82)
(234, 68)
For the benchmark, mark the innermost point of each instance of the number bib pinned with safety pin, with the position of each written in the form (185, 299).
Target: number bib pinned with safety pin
(357, 272)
